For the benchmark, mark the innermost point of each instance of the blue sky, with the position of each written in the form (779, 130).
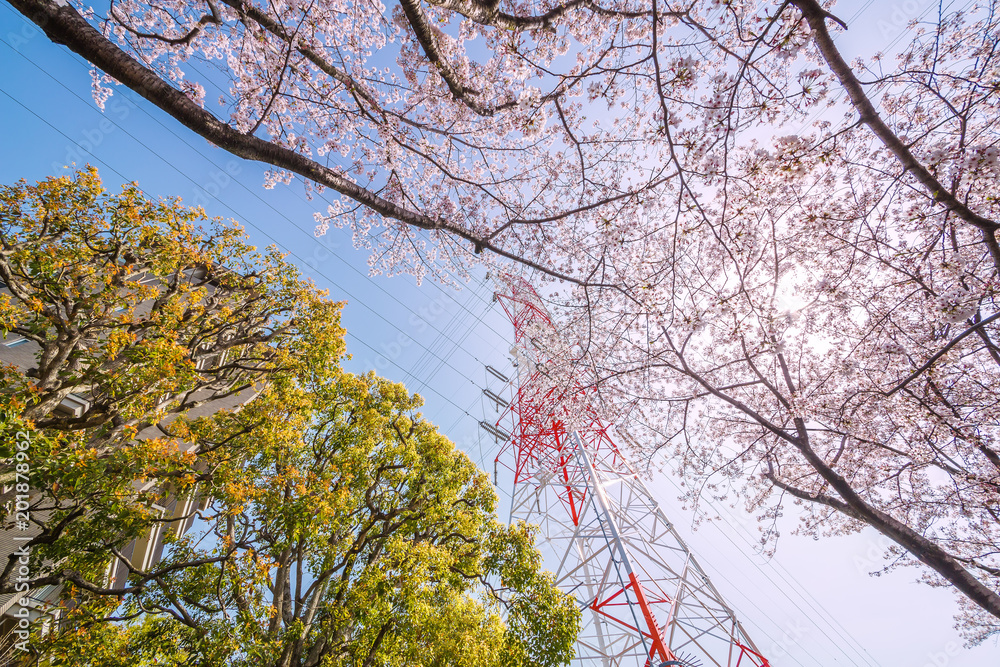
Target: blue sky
(814, 604)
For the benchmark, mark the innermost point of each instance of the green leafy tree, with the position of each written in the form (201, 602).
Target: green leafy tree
(129, 305)
(340, 527)
(131, 302)
(349, 532)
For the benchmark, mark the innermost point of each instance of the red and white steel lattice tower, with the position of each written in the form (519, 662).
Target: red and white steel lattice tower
(645, 598)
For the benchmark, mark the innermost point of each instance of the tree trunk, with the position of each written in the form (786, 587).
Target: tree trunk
(923, 549)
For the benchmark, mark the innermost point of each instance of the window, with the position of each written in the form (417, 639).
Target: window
(211, 361)
(16, 342)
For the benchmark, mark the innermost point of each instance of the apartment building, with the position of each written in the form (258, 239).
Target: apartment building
(39, 607)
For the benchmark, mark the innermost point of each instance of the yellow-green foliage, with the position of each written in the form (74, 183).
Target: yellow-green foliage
(129, 296)
(342, 527)
(343, 530)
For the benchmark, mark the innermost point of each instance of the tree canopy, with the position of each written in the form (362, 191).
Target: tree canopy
(779, 261)
(341, 529)
(129, 301)
(337, 526)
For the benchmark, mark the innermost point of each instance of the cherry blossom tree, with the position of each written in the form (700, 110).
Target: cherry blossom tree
(778, 266)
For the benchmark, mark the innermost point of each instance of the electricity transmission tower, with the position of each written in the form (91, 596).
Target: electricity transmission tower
(645, 598)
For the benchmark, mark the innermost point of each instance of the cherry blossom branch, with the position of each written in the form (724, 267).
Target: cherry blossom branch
(425, 35)
(924, 549)
(64, 25)
(214, 18)
(816, 16)
(354, 87)
(855, 506)
(760, 376)
(940, 353)
(277, 87)
(802, 494)
(979, 566)
(735, 402)
(487, 13)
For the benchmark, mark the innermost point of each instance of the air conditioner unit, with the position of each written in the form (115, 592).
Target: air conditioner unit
(73, 406)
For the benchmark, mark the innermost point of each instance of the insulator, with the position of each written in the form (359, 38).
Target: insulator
(497, 374)
(613, 547)
(498, 433)
(501, 403)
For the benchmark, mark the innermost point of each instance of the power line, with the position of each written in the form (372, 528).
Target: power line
(250, 191)
(359, 340)
(253, 193)
(425, 360)
(787, 578)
